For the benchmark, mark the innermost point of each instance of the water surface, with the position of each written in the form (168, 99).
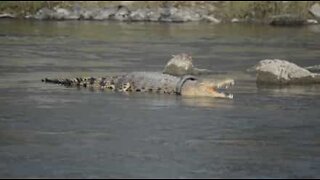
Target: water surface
(52, 131)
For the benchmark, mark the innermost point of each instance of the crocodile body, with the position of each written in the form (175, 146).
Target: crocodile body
(172, 81)
(134, 81)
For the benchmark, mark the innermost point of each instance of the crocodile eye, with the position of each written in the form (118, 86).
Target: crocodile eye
(138, 90)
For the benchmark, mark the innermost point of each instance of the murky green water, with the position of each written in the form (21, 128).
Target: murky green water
(53, 131)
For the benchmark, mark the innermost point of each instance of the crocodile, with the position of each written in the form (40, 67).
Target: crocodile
(186, 85)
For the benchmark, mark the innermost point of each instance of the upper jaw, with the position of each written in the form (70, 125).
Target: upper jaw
(222, 86)
(225, 84)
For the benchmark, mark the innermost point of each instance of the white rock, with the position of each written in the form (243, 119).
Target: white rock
(235, 20)
(312, 21)
(275, 71)
(123, 14)
(7, 15)
(315, 10)
(105, 14)
(211, 19)
(181, 64)
(139, 15)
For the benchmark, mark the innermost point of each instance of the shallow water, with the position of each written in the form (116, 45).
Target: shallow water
(52, 131)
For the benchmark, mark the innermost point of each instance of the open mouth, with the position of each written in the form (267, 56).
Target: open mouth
(222, 88)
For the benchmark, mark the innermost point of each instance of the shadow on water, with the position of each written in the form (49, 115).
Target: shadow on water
(49, 131)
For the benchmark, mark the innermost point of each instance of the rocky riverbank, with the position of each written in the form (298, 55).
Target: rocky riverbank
(273, 13)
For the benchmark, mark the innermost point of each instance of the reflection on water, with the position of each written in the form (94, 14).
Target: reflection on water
(52, 131)
(291, 90)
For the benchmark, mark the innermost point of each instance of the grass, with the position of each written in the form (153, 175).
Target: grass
(264, 9)
(23, 7)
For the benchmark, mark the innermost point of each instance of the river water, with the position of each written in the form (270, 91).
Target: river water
(49, 131)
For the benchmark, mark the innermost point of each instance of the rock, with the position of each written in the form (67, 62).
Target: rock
(44, 14)
(311, 21)
(281, 72)
(28, 16)
(235, 20)
(166, 14)
(7, 15)
(56, 14)
(315, 10)
(105, 13)
(145, 15)
(139, 15)
(245, 20)
(122, 14)
(88, 14)
(79, 13)
(211, 19)
(181, 64)
(287, 20)
(186, 15)
(154, 15)
(61, 13)
(74, 14)
(173, 14)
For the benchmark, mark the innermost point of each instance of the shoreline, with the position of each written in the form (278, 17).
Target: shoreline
(277, 13)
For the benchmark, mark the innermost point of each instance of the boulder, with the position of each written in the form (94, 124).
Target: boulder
(61, 13)
(282, 72)
(154, 15)
(211, 19)
(105, 13)
(172, 14)
(56, 14)
(122, 14)
(235, 20)
(7, 15)
(181, 64)
(139, 15)
(166, 13)
(315, 10)
(44, 14)
(312, 21)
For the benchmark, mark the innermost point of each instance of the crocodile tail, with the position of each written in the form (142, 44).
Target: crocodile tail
(72, 82)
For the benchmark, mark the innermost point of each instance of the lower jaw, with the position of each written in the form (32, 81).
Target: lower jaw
(226, 95)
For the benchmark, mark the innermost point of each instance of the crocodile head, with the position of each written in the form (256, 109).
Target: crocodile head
(207, 88)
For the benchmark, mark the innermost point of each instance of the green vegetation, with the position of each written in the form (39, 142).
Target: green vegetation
(264, 9)
(24, 7)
